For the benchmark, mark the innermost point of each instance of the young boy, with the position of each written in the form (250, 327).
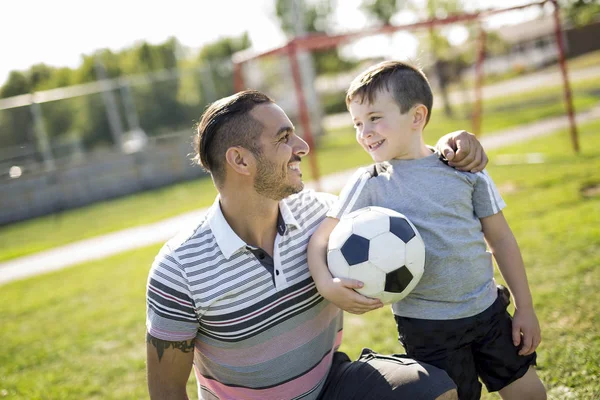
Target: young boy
(454, 318)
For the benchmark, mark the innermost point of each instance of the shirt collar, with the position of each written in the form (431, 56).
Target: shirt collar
(228, 241)
(287, 215)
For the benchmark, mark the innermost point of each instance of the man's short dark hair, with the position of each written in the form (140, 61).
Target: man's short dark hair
(226, 123)
(407, 84)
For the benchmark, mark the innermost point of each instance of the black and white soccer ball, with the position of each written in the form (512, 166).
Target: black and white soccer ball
(379, 247)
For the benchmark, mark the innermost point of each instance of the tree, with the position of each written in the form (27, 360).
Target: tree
(381, 10)
(581, 12)
(16, 84)
(440, 48)
(16, 125)
(316, 16)
(437, 45)
(224, 48)
(215, 61)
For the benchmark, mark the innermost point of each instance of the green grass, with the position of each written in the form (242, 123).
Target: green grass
(337, 151)
(591, 59)
(79, 332)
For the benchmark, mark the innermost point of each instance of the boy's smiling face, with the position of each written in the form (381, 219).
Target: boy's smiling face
(381, 129)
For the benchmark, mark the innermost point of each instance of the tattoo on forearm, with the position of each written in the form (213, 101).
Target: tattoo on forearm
(161, 345)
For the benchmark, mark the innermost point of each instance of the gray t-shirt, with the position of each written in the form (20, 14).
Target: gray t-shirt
(445, 205)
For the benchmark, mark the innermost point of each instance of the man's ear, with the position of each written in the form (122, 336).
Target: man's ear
(240, 160)
(419, 116)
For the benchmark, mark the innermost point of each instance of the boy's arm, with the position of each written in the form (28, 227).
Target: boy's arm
(337, 290)
(505, 250)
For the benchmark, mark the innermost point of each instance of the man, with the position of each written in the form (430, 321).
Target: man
(233, 295)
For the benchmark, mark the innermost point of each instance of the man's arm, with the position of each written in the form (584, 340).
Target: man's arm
(503, 245)
(168, 365)
(463, 151)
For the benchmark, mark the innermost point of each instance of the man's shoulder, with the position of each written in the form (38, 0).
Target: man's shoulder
(309, 197)
(189, 235)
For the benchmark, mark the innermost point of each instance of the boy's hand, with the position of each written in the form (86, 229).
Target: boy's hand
(526, 330)
(340, 292)
(463, 151)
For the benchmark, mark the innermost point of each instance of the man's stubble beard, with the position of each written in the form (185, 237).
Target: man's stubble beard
(271, 182)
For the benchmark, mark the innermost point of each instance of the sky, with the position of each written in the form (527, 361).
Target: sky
(58, 32)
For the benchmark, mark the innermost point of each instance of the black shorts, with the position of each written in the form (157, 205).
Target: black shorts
(380, 377)
(468, 348)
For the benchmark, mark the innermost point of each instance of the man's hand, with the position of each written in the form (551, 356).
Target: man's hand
(526, 331)
(340, 292)
(463, 151)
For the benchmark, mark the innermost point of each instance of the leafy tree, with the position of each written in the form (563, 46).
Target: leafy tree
(224, 48)
(16, 84)
(436, 44)
(16, 125)
(381, 10)
(215, 59)
(316, 17)
(158, 103)
(582, 12)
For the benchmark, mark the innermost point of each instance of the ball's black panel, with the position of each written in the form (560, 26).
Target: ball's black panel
(397, 281)
(401, 228)
(356, 250)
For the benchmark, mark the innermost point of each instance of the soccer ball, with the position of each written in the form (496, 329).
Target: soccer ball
(379, 247)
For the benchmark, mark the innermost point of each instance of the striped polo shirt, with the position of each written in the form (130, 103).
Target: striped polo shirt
(262, 330)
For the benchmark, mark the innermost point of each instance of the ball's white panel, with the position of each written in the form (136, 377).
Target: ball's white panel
(370, 224)
(340, 233)
(337, 264)
(371, 276)
(387, 211)
(415, 257)
(358, 212)
(387, 252)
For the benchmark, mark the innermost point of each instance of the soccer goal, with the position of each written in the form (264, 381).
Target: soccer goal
(279, 73)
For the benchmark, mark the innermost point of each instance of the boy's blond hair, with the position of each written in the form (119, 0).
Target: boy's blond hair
(407, 84)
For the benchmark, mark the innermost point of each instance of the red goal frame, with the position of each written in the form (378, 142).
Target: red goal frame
(314, 42)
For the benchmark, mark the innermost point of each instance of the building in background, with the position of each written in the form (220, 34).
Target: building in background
(532, 45)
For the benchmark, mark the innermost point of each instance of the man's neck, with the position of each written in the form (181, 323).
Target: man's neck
(252, 217)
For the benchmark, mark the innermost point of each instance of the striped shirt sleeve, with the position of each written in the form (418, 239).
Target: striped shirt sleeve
(486, 198)
(170, 313)
(354, 195)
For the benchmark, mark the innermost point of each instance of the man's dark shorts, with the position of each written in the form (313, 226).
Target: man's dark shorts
(383, 377)
(469, 347)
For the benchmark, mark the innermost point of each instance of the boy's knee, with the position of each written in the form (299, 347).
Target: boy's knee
(538, 393)
(529, 387)
(449, 395)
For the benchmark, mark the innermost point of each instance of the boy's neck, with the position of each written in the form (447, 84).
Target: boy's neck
(416, 149)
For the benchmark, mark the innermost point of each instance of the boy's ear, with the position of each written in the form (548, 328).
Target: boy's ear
(419, 116)
(240, 160)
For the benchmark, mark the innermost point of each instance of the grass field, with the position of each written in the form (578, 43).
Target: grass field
(338, 151)
(79, 332)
